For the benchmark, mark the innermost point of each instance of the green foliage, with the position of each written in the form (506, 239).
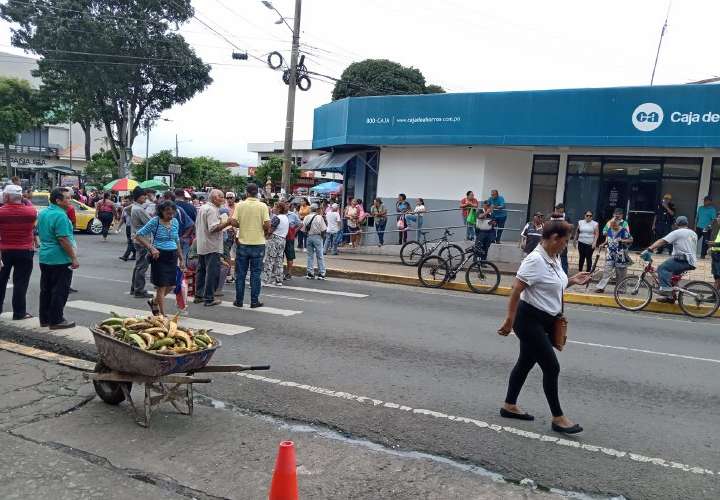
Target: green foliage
(20, 110)
(157, 165)
(381, 77)
(273, 169)
(203, 172)
(148, 65)
(101, 169)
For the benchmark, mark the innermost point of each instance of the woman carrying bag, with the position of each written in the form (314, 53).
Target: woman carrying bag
(535, 315)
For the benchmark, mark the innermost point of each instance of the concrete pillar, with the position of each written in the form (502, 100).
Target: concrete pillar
(562, 173)
(705, 176)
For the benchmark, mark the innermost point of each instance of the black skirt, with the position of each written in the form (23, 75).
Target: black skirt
(163, 269)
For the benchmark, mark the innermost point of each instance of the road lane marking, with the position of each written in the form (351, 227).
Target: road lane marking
(377, 403)
(264, 309)
(324, 292)
(101, 279)
(221, 328)
(287, 297)
(645, 351)
(77, 333)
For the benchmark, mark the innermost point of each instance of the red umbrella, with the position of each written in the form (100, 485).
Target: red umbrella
(123, 184)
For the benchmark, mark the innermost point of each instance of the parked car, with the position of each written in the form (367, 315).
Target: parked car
(85, 217)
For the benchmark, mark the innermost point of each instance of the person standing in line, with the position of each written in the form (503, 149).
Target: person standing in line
(535, 303)
(664, 220)
(314, 225)
(17, 248)
(106, 213)
(706, 214)
(617, 242)
(58, 258)
(352, 218)
(468, 203)
(139, 216)
(253, 223)
(586, 239)
(125, 219)
(209, 230)
(531, 234)
(379, 215)
(684, 247)
(303, 212)
(294, 224)
(275, 246)
(333, 228)
(484, 230)
(402, 207)
(417, 217)
(166, 255)
(499, 213)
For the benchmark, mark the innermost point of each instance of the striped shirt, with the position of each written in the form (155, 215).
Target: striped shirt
(17, 222)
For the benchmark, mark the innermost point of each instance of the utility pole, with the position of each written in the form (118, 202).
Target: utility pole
(147, 148)
(177, 153)
(290, 116)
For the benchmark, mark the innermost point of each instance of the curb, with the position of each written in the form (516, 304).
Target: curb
(570, 297)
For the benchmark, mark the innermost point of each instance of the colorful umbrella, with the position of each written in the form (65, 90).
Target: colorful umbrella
(154, 184)
(123, 184)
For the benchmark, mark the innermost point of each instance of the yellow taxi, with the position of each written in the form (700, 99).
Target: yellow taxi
(85, 220)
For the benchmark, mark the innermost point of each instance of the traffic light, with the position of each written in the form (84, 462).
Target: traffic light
(242, 56)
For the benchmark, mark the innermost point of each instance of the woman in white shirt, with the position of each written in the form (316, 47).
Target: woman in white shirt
(536, 301)
(275, 246)
(586, 238)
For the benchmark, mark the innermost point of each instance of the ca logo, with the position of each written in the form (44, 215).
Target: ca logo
(647, 117)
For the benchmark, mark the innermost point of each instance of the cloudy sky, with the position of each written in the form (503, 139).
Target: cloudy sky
(463, 45)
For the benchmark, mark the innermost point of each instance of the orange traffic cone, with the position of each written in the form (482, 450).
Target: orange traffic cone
(284, 481)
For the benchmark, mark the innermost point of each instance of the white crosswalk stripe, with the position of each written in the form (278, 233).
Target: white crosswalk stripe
(221, 328)
(321, 291)
(265, 309)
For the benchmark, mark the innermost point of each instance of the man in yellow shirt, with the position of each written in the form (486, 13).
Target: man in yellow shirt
(253, 225)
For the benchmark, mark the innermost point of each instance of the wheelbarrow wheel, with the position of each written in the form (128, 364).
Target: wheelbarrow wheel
(110, 392)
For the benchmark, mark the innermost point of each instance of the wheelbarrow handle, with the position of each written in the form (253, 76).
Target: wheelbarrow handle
(230, 368)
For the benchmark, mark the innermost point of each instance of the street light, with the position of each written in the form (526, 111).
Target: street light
(283, 19)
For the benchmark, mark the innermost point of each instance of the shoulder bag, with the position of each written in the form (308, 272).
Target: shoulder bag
(558, 336)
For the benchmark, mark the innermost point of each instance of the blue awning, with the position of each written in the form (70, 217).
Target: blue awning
(330, 162)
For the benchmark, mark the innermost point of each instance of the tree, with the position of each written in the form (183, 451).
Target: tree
(117, 58)
(204, 172)
(101, 169)
(381, 77)
(158, 165)
(273, 169)
(20, 110)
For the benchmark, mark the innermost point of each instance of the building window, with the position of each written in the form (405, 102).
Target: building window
(715, 181)
(543, 184)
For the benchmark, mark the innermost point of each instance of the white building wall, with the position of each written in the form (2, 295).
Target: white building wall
(508, 171)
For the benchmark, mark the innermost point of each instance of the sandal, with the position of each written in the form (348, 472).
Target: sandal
(154, 307)
(27, 316)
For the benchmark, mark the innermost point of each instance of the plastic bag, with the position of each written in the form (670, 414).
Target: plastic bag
(471, 217)
(181, 289)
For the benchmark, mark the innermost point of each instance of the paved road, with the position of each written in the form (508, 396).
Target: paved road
(424, 370)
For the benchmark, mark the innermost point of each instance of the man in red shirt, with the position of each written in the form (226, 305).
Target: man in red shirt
(17, 247)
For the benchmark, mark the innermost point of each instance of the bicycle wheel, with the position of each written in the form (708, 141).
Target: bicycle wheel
(482, 277)
(699, 299)
(453, 254)
(433, 271)
(411, 253)
(633, 293)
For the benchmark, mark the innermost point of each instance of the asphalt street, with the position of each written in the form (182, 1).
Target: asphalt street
(424, 370)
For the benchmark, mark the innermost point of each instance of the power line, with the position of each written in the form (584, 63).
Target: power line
(119, 63)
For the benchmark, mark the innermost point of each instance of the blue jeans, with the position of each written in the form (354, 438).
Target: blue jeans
(499, 229)
(332, 240)
(418, 220)
(315, 249)
(248, 256)
(666, 271)
(470, 230)
(380, 228)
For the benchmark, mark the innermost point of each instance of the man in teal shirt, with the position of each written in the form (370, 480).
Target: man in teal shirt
(57, 260)
(499, 213)
(703, 222)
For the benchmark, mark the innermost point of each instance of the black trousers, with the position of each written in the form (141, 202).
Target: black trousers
(54, 289)
(208, 274)
(22, 263)
(705, 235)
(130, 250)
(106, 218)
(531, 328)
(585, 252)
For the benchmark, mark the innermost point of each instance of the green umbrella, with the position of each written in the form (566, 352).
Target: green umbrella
(153, 184)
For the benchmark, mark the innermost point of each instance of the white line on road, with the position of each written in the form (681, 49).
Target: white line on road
(645, 351)
(324, 292)
(299, 299)
(101, 278)
(265, 309)
(222, 328)
(484, 425)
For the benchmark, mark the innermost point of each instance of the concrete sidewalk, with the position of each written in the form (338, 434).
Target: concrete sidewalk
(59, 441)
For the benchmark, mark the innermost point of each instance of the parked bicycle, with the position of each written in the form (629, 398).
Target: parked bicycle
(413, 252)
(698, 299)
(481, 276)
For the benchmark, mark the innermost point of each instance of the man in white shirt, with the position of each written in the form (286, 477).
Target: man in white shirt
(314, 225)
(684, 245)
(333, 229)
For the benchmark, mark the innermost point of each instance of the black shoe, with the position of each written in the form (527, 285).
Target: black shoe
(215, 302)
(666, 299)
(63, 325)
(131, 258)
(256, 305)
(44, 325)
(72, 290)
(143, 295)
(519, 416)
(237, 304)
(123, 258)
(567, 430)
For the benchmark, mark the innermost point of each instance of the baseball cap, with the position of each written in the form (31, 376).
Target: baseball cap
(681, 221)
(13, 189)
(229, 194)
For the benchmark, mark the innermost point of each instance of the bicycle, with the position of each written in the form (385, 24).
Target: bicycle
(697, 299)
(482, 276)
(412, 252)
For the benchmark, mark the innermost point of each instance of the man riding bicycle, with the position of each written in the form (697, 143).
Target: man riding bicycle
(684, 242)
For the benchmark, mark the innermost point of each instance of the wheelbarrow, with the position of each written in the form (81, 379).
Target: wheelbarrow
(166, 378)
